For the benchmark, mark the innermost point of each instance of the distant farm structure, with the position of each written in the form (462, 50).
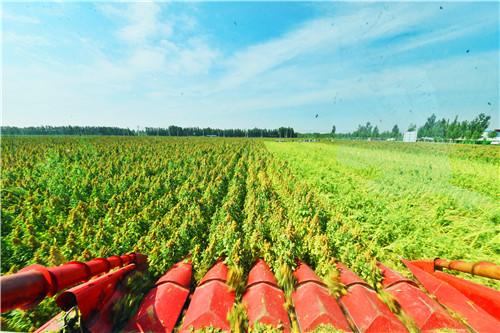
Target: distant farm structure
(410, 137)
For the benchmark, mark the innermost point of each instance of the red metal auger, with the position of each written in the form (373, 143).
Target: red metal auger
(27, 288)
(476, 317)
(479, 305)
(428, 315)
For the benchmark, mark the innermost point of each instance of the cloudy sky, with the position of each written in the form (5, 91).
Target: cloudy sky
(252, 64)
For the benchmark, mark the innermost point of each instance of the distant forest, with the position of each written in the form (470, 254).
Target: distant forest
(282, 132)
(433, 130)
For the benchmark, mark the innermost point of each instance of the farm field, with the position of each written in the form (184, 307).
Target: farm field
(76, 198)
(412, 200)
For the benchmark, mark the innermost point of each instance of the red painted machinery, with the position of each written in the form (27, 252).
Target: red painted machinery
(173, 303)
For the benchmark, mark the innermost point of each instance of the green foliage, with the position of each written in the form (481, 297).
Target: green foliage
(263, 328)
(238, 318)
(443, 129)
(492, 134)
(209, 329)
(135, 289)
(412, 127)
(395, 307)
(28, 320)
(326, 329)
(395, 133)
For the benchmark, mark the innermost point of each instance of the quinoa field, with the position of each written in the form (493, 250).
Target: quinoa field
(77, 198)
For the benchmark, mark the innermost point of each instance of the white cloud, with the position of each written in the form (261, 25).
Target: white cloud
(26, 41)
(320, 36)
(395, 89)
(143, 22)
(440, 36)
(148, 33)
(195, 59)
(147, 60)
(246, 64)
(19, 18)
(389, 94)
(278, 73)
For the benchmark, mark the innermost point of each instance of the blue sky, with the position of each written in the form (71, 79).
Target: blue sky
(250, 64)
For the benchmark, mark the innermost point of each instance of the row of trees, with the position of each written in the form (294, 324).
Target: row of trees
(363, 132)
(282, 132)
(370, 131)
(437, 130)
(443, 129)
(66, 130)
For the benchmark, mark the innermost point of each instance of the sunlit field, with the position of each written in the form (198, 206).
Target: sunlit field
(77, 198)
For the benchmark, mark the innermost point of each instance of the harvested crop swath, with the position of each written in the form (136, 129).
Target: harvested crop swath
(405, 201)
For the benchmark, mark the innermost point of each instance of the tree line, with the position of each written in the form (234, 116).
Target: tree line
(433, 130)
(67, 130)
(443, 129)
(370, 131)
(282, 132)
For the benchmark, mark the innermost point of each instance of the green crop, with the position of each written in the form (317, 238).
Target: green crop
(77, 198)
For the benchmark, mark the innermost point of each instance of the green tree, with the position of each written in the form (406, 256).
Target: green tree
(426, 130)
(453, 131)
(412, 127)
(478, 125)
(463, 129)
(395, 132)
(476, 135)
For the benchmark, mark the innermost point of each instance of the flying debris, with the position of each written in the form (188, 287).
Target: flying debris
(317, 115)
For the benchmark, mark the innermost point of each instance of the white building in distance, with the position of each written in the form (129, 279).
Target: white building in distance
(410, 137)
